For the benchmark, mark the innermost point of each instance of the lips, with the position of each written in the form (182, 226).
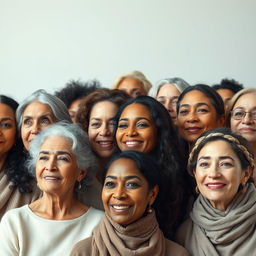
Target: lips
(215, 186)
(105, 143)
(120, 208)
(247, 130)
(51, 178)
(132, 143)
(193, 130)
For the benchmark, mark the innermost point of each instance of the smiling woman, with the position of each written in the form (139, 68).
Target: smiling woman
(131, 192)
(62, 161)
(223, 217)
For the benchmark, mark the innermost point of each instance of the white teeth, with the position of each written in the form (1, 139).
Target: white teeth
(50, 178)
(120, 207)
(215, 185)
(131, 143)
(105, 142)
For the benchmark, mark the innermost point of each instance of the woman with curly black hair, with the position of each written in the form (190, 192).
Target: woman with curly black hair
(143, 124)
(16, 185)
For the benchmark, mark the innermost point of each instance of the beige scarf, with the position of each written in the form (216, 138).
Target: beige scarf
(10, 198)
(230, 232)
(142, 238)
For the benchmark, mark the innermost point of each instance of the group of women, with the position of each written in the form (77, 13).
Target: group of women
(133, 175)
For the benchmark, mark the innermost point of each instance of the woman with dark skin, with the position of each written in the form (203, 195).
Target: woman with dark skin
(16, 185)
(131, 194)
(143, 124)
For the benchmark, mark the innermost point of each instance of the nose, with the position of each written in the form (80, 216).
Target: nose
(131, 131)
(51, 165)
(192, 117)
(105, 130)
(214, 171)
(119, 192)
(247, 119)
(35, 128)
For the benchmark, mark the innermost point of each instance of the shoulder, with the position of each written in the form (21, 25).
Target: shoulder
(82, 248)
(15, 214)
(94, 213)
(183, 231)
(175, 249)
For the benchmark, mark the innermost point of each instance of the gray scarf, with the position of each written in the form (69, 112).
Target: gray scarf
(230, 232)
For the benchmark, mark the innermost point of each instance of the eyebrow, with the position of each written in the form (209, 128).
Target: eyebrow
(199, 104)
(58, 153)
(125, 177)
(221, 158)
(173, 97)
(137, 118)
(6, 119)
(44, 115)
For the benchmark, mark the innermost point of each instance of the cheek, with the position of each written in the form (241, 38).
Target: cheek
(92, 134)
(233, 124)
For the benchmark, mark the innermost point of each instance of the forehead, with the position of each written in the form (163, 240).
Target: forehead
(136, 110)
(55, 143)
(246, 100)
(104, 108)
(216, 149)
(129, 83)
(194, 97)
(168, 90)
(6, 111)
(225, 93)
(123, 167)
(37, 107)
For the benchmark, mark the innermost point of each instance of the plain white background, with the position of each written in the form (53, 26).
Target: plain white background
(45, 43)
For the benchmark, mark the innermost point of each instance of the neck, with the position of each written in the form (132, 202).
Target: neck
(56, 207)
(2, 161)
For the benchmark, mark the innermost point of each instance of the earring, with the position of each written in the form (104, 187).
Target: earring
(79, 185)
(149, 209)
(197, 190)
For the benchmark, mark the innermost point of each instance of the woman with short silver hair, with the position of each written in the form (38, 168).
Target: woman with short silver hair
(62, 160)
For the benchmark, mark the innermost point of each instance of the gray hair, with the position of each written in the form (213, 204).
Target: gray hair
(58, 108)
(79, 144)
(136, 75)
(178, 82)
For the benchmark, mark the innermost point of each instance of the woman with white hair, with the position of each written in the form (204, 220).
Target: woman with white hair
(133, 83)
(62, 160)
(168, 91)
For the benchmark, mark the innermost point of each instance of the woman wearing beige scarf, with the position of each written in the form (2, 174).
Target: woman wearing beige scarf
(129, 227)
(223, 219)
(16, 188)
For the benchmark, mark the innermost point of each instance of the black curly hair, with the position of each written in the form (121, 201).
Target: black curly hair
(76, 89)
(15, 160)
(229, 84)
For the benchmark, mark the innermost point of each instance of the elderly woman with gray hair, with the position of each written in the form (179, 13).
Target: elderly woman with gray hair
(168, 91)
(62, 160)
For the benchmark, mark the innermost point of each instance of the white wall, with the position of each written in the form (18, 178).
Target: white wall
(45, 43)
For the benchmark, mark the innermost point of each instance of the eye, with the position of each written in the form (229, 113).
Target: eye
(43, 158)
(183, 112)
(226, 164)
(254, 114)
(162, 101)
(5, 125)
(202, 110)
(111, 123)
(45, 121)
(203, 164)
(174, 102)
(109, 184)
(122, 125)
(27, 122)
(132, 185)
(239, 113)
(136, 94)
(95, 124)
(142, 125)
(63, 158)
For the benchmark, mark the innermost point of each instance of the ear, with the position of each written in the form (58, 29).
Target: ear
(153, 194)
(221, 121)
(247, 175)
(82, 174)
(194, 172)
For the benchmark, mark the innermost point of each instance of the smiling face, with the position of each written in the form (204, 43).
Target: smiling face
(168, 96)
(136, 129)
(56, 167)
(197, 115)
(132, 86)
(218, 173)
(126, 193)
(36, 117)
(246, 126)
(7, 129)
(100, 129)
